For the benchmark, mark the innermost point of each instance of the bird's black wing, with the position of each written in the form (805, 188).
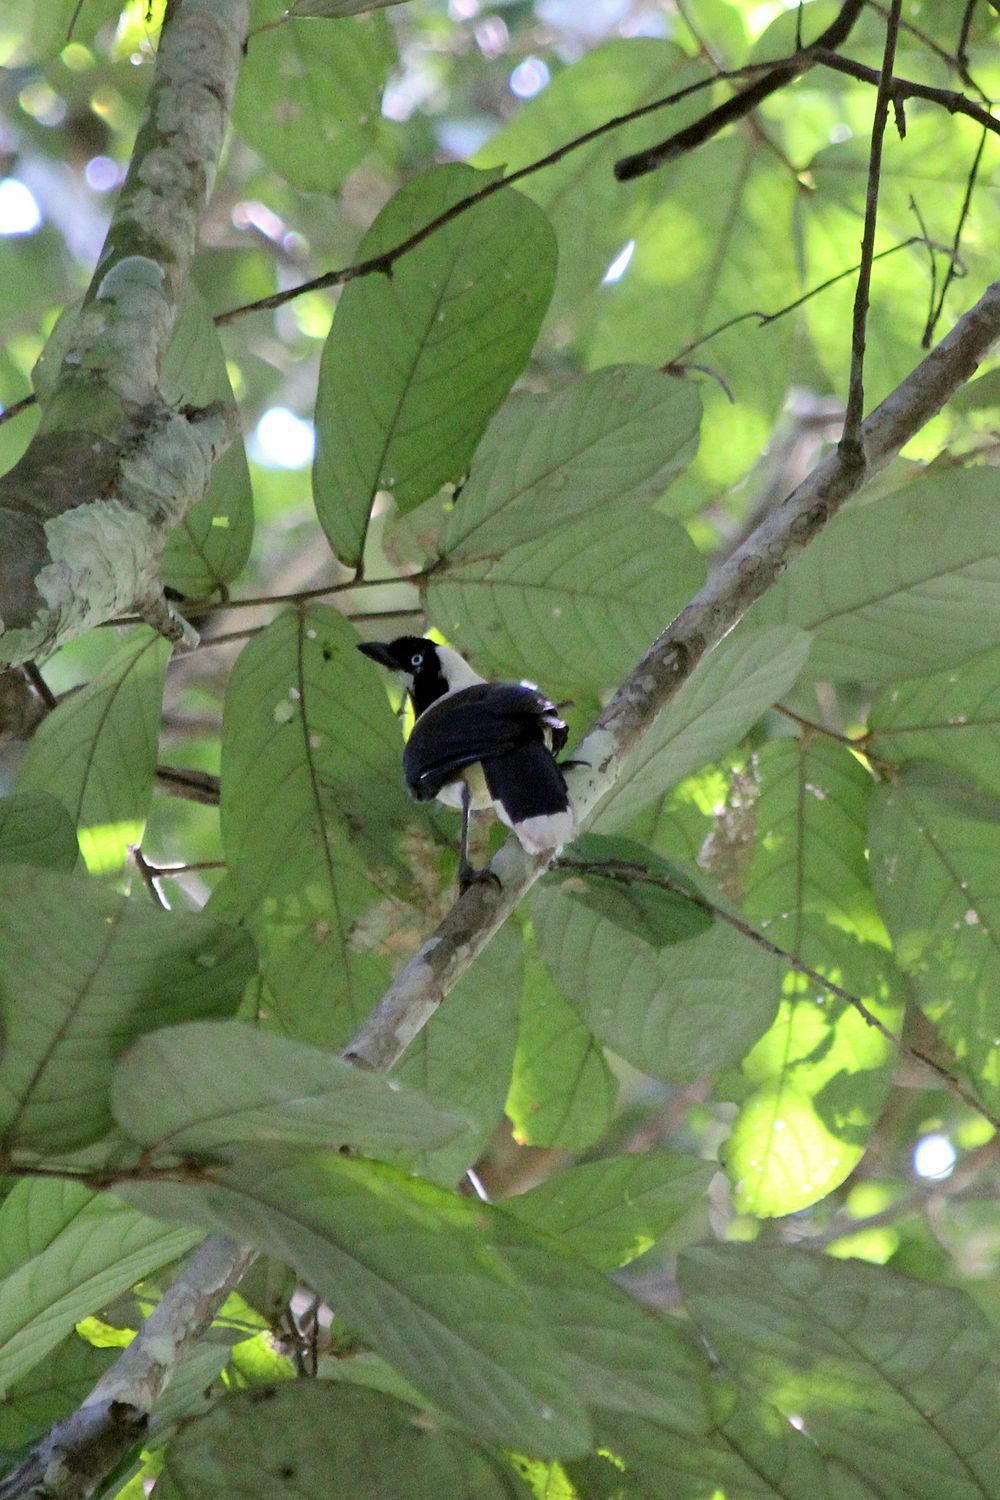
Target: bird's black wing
(475, 724)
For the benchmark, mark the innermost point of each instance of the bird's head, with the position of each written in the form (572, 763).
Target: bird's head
(429, 670)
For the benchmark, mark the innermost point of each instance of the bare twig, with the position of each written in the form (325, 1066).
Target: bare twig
(906, 88)
(850, 443)
(193, 786)
(740, 105)
(16, 407)
(149, 876)
(970, 185)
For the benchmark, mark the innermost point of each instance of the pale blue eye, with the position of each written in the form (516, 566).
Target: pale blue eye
(416, 661)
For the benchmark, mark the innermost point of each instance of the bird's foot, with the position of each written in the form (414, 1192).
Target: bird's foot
(468, 877)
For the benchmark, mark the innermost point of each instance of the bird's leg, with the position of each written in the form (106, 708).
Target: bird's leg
(466, 874)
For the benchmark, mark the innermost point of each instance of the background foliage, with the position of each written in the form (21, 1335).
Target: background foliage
(535, 438)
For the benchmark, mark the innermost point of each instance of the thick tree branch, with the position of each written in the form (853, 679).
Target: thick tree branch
(113, 467)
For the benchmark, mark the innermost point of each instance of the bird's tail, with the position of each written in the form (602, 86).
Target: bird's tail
(530, 796)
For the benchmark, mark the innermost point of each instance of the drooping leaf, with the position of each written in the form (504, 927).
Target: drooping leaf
(308, 95)
(906, 585)
(893, 1377)
(218, 1086)
(36, 829)
(64, 1252)
(656, 914)
(461, 310)
(820, 1074)
(934, 869)
(562, 1092)
(318, 1438)
(84, 973)
(951, 718)
(408, 1268)
(724, 697)
(96, 751)
(613, 1210)
(211, 545)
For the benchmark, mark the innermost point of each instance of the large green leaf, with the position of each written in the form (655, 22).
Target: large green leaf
(311, 783)
(460, 312)
(96, 751)
(215, 1086)
(727, 693)
(36, 829)
(618, 435)
(676, 1012)
(820, 1074)
(308, 95)
(575, 606)
(904, 585)
(613, 1210)
(321, 1439)
(952, 718)
(934, 868)
(85, 972)
(896, 1378)
(50, 1390)
(407, 1266)
(66, 1251)
(211, 544)
(562, 1092)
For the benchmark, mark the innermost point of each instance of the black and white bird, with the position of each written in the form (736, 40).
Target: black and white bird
(478, 744)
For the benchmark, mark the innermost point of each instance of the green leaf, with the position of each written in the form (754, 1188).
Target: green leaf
(895, 1378)
(36, 829)
(952, 718)
(727, 693)
(308, 95)
(311, 783)
(461, 310)
(820, 1074)
(902, 586)
(934, 868)
(215, 1086)
(676, 1013)
(64, 1252)
(211, 545)
(618, 435)
(407, 1266)
(652, 913)
(613, 1210)
(562, 1093)
(463, 1058)
(85, 972)
(576, 606)
(96, 751)
(335, 8)
(321, 1439)
(50, 1390)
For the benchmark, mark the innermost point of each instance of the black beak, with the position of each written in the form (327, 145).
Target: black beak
(380, 653)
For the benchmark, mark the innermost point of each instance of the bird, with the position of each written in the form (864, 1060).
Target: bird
(477, 744)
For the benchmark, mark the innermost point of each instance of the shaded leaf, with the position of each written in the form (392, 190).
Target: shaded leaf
(35, 829)
(951, 718)
(50, 1390)
(652, 913)
(462, 309)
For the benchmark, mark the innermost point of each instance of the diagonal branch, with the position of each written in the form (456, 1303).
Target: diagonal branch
(906, 88)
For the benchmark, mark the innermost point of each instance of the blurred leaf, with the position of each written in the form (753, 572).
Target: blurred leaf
(562, 1093)
(96, 751)
(613, 1210)
(952, 719)
(211, 545)
(36, 829)
(218, 1086)
(308, 96)
(934, 869)
(311, 784)
(820, 1074)
(894, 1378)
(729, 690)
(64, 1252)
(409, 1267)
(462, 309)
(319, 1439)
(905, 585)
(85, 972)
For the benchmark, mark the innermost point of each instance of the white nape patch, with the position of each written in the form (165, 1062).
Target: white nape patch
(456, 670)
(544, 833)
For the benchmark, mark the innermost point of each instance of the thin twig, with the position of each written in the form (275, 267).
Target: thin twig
(851, 449)
(149, 875)
(811, 727)
(950, 274)
(16, 407)
(630, 874)
(906, 88)
(961, 51)
(948, 58)
(193, 786)
(915, 210)
(38, 685)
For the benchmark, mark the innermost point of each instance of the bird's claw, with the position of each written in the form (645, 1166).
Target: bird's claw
(468, 877)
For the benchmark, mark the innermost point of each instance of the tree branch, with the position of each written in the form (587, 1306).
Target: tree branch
(86, 511)
(905, 88)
